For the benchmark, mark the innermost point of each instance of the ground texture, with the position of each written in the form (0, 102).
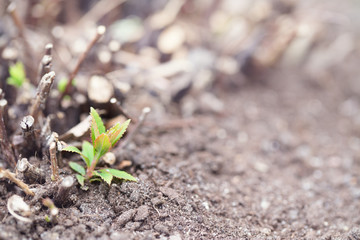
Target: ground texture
(279, 159)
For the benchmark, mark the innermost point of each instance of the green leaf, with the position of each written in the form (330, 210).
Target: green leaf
(61, 86)
(88, 152)
(105, 175)
(80, 179)
(76, 150)
(117, 131)
(95, 179)
(17, 71)
(47, 218)
(77, 168)
(120, 174)
(97, 125)
(17, 75)
(101, 146)
(14, 82)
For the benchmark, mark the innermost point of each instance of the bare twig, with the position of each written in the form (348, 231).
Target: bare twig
(99, 33)
(27, 127)
(31, 173)
(4, 110)
(5, 146)
(116, 103)
(138, 125)
(46, 61)
(29, 144)
(15, 17)
(54, 162)
(100, 9)
(4, 173)
(78, 131)
(42, 94)
(52, 139)
(62, 195)
(20, 26)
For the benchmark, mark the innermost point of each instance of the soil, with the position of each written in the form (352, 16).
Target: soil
(279, 161)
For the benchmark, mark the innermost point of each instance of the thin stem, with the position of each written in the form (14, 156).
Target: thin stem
(31, 173)
(21, 29)
(5, 145)
(42, 94)
(62, 195)
(4, 173)
(54, 162)
(46, 61)
(99, 10)
(138, 125)
(115, 102)
(91, 169)
(99, 33)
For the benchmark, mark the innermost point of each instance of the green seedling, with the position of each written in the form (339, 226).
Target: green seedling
(17, 75)
(102, 142)
(61, 86)
(54, 211)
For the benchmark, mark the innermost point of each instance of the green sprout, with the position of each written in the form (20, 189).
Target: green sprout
(61, 86)
(102, 142)
(17, 75)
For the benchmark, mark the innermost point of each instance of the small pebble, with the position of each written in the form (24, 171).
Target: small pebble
(265, 204)
(125, 217)
(132, 226)
(120, 236)
(161, 228)
(169, 192)
(157, 201)
(142, 213)
(175, 237)
(68, 223)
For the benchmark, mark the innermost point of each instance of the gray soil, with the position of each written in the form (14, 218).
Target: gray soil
(281, 160)
(280, 163)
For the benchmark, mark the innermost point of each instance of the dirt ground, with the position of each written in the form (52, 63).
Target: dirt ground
(273, 153)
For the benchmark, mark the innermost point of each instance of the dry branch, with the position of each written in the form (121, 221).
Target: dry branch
(29, 143)
(6, 148)
(4, 109)
(54, 162)
(43, 92)
(138, 125)
(116, 103)
(99, 10)
(99, 33)
(21, 29)
(63, 192)
(46, 61)
(31, 173)
(4, 173)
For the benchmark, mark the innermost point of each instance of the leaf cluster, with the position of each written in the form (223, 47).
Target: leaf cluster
(102, 142)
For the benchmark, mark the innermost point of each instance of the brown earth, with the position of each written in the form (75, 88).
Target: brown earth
(279, 161)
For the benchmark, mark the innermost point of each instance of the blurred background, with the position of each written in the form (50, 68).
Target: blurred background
(217, 41)
(178, 49)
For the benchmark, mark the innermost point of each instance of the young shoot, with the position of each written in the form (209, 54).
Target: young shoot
(17, 75)
(102, 142)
